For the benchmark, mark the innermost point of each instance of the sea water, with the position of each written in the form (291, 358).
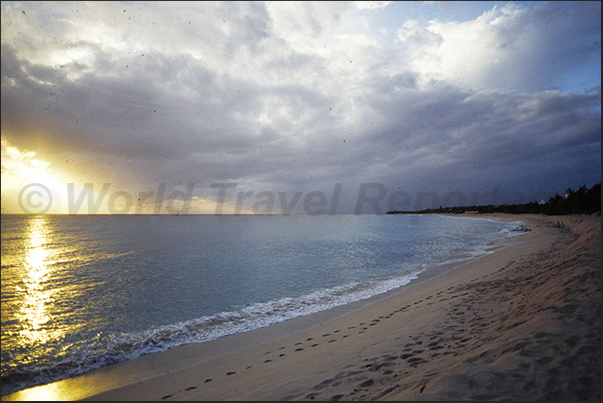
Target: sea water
(81, 292)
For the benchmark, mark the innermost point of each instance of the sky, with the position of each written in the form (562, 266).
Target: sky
(287, 107)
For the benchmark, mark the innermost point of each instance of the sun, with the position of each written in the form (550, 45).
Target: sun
(29, 184)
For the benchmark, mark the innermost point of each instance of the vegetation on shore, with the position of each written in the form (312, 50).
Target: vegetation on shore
(581, 201)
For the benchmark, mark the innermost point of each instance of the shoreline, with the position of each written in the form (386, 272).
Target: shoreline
(348, 352)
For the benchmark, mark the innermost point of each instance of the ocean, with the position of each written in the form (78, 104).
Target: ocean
(82, 292)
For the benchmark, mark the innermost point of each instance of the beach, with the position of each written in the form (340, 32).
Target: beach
(522, 323)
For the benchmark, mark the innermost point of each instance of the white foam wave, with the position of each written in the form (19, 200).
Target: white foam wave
(515, 228)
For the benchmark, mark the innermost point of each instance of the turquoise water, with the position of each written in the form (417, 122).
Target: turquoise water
(81, 292)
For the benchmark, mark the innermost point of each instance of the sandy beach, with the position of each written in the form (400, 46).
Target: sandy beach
(522, 323)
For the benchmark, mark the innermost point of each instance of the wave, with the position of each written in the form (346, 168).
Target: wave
(514, 228)
(110, 348)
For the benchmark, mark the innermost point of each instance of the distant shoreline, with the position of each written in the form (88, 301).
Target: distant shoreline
(585, 201)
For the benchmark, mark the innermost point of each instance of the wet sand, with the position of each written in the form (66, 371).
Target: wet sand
(522, 323)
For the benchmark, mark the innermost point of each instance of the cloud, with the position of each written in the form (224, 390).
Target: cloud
(371, 5)
(297, 97)
(508, 47)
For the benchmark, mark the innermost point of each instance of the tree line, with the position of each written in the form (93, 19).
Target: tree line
(581, 201)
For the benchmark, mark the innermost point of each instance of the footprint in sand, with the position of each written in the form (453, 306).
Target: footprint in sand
(366, 383)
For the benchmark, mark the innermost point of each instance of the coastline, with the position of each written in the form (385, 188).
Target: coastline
(477, 323)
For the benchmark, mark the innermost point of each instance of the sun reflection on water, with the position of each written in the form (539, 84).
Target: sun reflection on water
(37, 300)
